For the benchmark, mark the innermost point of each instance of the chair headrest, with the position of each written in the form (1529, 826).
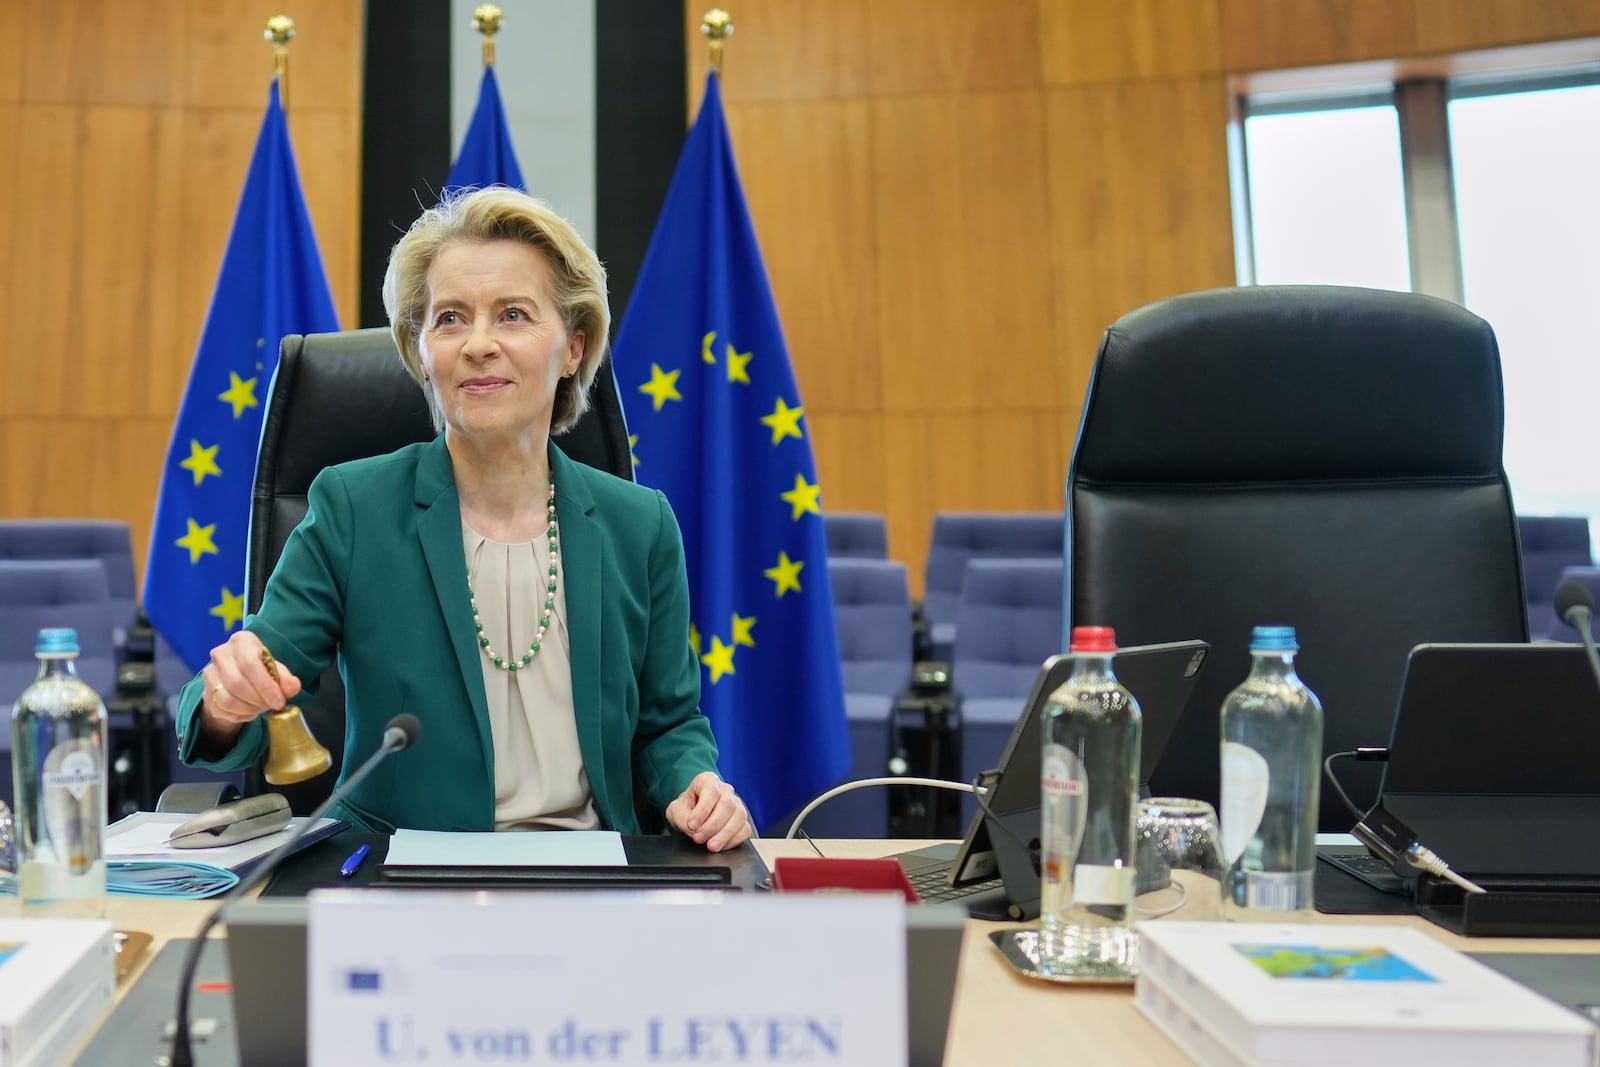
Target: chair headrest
(339, 397)
(1335, 383)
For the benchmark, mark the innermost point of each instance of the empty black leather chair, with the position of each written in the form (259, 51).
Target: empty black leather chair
(1323, 457)
(343, 396)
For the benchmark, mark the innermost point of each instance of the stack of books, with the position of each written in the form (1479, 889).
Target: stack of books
(1259, 995)
(57, 978)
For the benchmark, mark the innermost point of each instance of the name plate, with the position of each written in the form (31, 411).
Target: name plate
(605, 978)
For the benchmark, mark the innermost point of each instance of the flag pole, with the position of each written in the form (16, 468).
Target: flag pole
(280, 31)
(717, 26)
(487, 18)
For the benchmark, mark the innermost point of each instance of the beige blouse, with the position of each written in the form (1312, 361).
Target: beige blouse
(539, 779)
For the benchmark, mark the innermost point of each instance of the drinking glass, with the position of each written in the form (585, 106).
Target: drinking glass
(1178, 856)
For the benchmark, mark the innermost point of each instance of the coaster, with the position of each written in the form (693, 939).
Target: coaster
(1020, 948)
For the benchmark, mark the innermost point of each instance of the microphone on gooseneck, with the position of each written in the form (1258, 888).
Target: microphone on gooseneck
(401, 733)
(1575, 607)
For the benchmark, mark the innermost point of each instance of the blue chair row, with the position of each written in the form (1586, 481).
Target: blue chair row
(856, 535)
(1550, 544)
(872, 613)
(1008, 622)
(960, 537)
(35, 594)
(109, 542)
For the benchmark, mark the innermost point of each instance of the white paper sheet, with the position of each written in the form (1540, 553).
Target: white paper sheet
(557, 848)
(143, 835)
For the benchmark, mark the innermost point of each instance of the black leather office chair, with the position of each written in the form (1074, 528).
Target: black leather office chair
(1317, 456)
(342, 396)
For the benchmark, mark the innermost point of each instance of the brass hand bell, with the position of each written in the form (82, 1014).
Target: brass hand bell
(293, 755)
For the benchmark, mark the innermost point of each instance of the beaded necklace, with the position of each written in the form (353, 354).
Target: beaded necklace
(549, 601)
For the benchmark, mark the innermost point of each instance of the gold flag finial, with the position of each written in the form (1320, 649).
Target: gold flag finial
(487, 18)
(717, 26)
(280, 31)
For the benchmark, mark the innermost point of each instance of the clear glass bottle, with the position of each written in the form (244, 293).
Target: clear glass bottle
(58, 753)
(1271, 785)
(1089, 789)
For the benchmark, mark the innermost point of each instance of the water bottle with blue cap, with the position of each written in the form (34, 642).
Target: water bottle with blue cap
(1271, 777)
(58, 753)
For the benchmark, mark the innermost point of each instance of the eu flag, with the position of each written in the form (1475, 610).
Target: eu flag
(486, 156)
(271, 284)
(708, 389)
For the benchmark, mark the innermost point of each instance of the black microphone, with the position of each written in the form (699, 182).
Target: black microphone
(1575, 606)
(401, 733)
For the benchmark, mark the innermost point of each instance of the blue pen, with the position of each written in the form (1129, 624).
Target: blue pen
(353, 864)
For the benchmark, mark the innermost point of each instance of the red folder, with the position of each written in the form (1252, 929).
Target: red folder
(810, 874)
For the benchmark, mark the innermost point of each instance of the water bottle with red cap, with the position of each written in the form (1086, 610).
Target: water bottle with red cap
(1089, 789)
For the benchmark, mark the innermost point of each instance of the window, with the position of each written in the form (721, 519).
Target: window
(1476, 189)
(1527, 171)
(1327, 203)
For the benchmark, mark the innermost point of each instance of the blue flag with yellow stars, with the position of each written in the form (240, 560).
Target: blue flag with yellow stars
(486, 157)
(709, 392)
(271, 284)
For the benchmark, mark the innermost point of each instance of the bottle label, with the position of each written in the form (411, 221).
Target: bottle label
(1245, 779)
(73, 811)
(1064, 808)
(76, 773)
(1278, 890)
(1092, 884)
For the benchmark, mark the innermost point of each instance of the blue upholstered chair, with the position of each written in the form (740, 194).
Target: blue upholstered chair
(959, 537)
(35, 594)
(1550, 544)
(111, 543)
(872, 611)
(856, 535)
(55, 539)
(1008, 624)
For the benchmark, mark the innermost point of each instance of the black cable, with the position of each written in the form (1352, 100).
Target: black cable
(1327, 772)
(1360, 755)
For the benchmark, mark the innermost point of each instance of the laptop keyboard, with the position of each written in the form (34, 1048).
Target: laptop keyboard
(934, 886)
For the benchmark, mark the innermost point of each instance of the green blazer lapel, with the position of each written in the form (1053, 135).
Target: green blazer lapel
(581, 548)
(439, 530)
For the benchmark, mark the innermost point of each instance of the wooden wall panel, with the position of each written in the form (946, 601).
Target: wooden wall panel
(951, 46)
(1455, 26)
(1140, 175)
(110, 307)
(1092, 41)
(11, 46)
(806, 170)
(1272, 34)
(849, 449)
(963, 256)
(10, 152)
(126, 128)
(40, 259)
(786, 50)
(103, 52)
(64, 466)
(322, 140)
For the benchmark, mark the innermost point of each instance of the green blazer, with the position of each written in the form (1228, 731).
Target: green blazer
(375, 575)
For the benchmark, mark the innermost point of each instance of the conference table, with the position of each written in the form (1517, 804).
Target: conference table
(998, 1017)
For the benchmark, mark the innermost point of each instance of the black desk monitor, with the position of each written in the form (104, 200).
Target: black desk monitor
(1160, 677)
(1494, 761)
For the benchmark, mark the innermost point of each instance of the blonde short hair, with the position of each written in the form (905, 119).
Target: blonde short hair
(578, 283)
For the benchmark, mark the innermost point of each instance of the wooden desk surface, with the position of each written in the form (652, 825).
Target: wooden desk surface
(999, 1018)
